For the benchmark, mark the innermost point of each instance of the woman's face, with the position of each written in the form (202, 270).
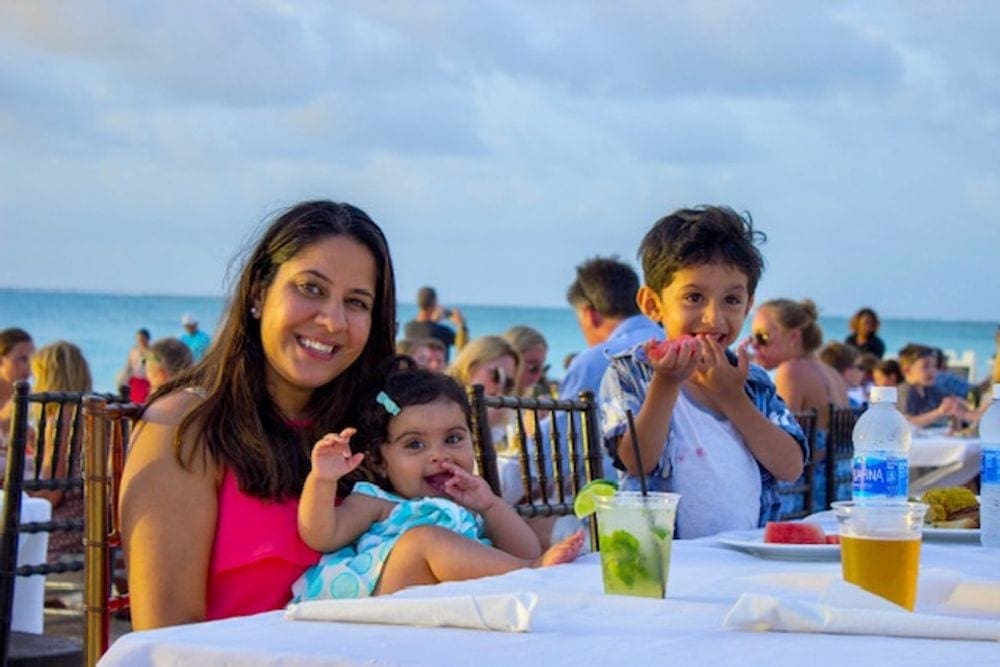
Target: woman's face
(772, 342)
(532, 367)
(315, 318)
(16, 364)
(866, 325)
(497, 378)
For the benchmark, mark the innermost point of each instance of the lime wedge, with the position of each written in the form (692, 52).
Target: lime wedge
(584, 505)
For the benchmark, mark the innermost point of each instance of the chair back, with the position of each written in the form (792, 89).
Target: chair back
(54, 467)
(108, 427)
(798, 495)
(839, 452)
(554, 465)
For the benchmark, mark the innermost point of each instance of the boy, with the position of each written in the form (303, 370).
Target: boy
(923, 403)
(710, 426)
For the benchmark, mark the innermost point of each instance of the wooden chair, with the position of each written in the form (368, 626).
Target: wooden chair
(800, 492)
(61, 433)
(551, 472)
(839, 452)
(108, 427)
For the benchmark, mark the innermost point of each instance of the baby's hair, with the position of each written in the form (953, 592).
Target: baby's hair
(801, 315)
(404, 385)
(696, 236)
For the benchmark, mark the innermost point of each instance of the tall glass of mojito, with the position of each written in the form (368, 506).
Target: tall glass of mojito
(635, 533)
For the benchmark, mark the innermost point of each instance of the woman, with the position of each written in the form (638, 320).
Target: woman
(16, 348)
(61, 366)
(134, 373)
(532, 346)
(785, 338)
(494, 363)
(217, 462)
(864, 324)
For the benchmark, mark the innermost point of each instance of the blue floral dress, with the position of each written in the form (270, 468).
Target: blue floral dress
(354, 571)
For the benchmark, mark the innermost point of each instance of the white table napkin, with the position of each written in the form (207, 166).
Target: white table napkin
(508, 612)
(848, 609)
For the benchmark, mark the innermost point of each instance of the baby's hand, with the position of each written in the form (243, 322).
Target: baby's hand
(468, 490)
(332, 458)
(673, 361)
(717, 375)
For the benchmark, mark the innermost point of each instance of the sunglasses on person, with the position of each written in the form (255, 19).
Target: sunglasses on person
(760, 338)
(537, 368)
(500, 379)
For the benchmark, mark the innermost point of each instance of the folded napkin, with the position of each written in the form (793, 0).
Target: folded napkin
(508, 612)
(848, 609)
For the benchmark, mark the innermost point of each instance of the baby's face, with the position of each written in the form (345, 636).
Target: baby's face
(421, 438)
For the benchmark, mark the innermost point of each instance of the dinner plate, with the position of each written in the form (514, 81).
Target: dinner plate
(932, 534)
(753, 543)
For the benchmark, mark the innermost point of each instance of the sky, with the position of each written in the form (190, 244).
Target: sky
(499, 144)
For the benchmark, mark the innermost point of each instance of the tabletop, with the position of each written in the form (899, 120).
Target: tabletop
(575, 623)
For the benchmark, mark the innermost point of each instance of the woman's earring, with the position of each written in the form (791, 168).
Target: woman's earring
(254, 311)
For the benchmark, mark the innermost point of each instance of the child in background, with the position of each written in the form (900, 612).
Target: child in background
(710, 425)
(919, 399)
(887, 373)
(427, 518)
(846, 360)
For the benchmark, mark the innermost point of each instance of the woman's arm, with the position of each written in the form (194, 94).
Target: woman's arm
(169, 517)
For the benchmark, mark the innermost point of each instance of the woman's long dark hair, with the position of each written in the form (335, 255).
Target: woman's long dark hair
(240, 426)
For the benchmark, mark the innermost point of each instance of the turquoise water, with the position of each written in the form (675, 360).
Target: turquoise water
(104, 325)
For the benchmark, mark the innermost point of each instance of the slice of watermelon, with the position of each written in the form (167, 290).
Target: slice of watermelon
(658, 349)
(793, 532)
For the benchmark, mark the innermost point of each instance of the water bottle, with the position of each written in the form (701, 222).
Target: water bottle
(989, 488)
(881, 465)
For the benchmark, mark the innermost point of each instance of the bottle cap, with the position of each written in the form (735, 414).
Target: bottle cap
(996, 392)
(882, 395)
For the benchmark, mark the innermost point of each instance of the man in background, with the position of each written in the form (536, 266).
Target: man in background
(196, 339)
(603, 297)
(427, 322)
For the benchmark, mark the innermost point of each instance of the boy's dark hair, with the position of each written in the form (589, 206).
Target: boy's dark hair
(608, 285)
(404, 384)
(426, 298)
(890, 367)
(914, 352)
(702, 235)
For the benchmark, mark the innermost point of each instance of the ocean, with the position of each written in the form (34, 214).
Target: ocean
(104, 326)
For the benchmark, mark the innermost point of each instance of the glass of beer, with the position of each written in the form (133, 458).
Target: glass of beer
(880, 547)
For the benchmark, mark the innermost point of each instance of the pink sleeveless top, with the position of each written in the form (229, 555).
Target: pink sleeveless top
(257, 553)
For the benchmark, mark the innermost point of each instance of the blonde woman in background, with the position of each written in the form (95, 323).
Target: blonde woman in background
(61, 366)
(494, 363)
(786, 336)
(533, 347)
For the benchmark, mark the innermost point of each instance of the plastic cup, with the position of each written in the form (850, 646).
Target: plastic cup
(880, 547)
(635, 533)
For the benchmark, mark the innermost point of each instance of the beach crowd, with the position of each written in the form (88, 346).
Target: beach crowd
(305, 451)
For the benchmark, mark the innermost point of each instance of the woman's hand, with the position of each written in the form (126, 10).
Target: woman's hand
(332, 458)
(468, 490)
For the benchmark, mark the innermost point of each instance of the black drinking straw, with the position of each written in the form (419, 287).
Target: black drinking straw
(638, 455)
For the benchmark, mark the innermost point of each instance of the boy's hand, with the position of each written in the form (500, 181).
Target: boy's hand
(717, 376)
(332, 458)
(677, 363)
(468, 490)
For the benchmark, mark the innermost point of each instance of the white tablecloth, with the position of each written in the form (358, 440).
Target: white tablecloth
(29, 592)
(938, 459)
(575, 623)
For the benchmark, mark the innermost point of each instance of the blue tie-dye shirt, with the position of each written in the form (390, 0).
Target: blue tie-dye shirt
(624, 388)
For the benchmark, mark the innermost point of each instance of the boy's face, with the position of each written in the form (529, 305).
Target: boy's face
(711, 299)
(922, 372)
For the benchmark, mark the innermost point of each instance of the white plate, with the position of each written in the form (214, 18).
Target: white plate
(932, 534)
(752, 542)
